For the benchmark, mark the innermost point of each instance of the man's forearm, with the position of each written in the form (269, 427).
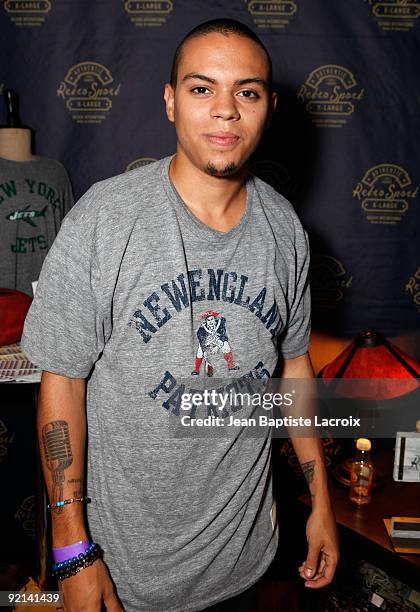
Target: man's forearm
(61, 425)
(309, 450)
(310, 454)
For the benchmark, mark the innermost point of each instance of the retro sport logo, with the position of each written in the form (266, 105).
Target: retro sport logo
(88, 90)
(330, 95)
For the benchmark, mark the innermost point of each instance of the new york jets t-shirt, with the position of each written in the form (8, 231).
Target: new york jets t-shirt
(145, 300)
(35, 195)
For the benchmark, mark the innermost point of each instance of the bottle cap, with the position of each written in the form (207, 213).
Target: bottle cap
(363, 444)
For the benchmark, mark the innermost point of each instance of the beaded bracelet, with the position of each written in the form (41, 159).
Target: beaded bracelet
(72, 566)
(63, 502)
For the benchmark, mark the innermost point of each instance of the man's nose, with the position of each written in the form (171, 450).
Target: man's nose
(224, 106)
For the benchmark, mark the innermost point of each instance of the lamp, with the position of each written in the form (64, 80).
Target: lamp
(380, 373)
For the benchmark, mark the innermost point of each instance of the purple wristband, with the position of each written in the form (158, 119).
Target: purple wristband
(72, 550)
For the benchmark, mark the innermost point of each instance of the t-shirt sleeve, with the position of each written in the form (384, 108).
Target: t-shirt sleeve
(62, 328)
(294, 340)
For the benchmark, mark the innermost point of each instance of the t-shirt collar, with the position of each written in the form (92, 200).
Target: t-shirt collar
(197, 227)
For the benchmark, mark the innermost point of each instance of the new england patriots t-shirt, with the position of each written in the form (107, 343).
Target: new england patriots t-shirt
(145, 300)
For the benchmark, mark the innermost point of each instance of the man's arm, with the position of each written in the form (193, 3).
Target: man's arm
(61, 425)
(309, 451)
(321, 529)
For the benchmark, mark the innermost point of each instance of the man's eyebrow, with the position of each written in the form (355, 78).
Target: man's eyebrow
(203, 77)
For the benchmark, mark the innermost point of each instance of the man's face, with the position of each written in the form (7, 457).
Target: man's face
(219, 118)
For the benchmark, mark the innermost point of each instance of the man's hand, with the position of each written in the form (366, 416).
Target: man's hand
(86, 591)
(322, 536)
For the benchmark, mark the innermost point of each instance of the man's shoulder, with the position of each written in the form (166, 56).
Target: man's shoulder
(123, 193)
(138, 178)
(278, 210)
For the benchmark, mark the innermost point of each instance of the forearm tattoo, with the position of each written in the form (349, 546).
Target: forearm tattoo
(78, 490)
(58, 456)
(308, 470)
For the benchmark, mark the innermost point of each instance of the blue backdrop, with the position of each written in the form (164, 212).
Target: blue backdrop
(343, 145)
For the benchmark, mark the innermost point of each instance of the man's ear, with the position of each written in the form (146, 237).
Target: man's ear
(169, 95)
(271, 110)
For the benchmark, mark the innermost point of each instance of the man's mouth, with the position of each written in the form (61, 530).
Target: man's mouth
(222, 138)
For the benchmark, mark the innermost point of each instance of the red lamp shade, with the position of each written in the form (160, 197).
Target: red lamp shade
(380, 369)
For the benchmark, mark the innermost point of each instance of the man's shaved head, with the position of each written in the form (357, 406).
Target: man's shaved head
(220, 97)
(225, 27)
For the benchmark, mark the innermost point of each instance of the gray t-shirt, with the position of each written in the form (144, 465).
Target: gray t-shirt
(140, 294)
(35, 195)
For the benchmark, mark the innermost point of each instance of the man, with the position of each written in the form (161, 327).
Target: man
(188, 522)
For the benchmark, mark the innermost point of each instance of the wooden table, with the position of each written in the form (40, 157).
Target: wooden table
(362, 530)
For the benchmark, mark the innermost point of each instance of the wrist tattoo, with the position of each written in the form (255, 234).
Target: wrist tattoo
(308, 470)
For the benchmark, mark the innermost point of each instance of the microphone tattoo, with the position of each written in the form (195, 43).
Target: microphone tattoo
(58, 455)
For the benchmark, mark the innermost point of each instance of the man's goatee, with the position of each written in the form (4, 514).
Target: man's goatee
(227, 170)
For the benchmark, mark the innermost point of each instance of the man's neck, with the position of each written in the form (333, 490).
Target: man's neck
(219, 202)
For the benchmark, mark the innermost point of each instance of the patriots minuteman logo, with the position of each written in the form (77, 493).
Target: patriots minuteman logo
(212, 339)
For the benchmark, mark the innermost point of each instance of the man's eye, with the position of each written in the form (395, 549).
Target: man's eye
(249, 91)
(201, 87)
